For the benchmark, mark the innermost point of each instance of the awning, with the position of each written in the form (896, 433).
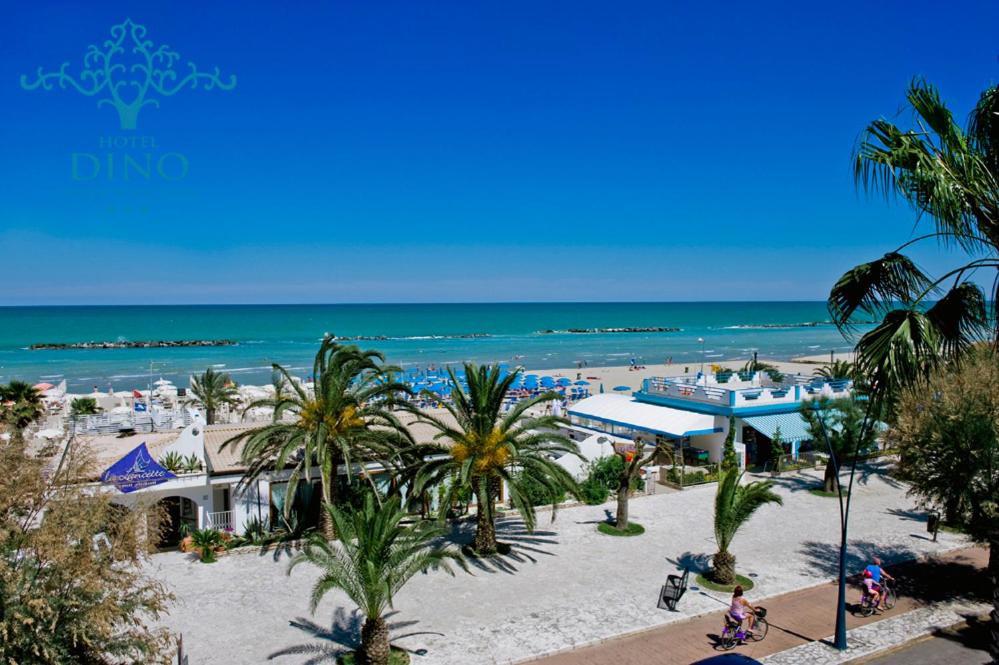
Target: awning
(792, 426)
(625, 411)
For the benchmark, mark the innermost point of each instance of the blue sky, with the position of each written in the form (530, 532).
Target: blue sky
(418, 152)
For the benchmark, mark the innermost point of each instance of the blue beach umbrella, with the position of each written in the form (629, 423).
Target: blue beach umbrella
(564, 382)
(582, 383)
(622, 388)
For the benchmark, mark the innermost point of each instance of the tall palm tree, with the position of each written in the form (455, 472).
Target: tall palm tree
(374, 559)
(484, 448)
(20, 405)
(949, 175)
(346, 417)
(213, 389)
(734, 505)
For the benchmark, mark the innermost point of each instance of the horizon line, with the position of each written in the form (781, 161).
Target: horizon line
(410, 304)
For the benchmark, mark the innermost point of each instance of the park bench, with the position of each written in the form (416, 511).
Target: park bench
(673, 590)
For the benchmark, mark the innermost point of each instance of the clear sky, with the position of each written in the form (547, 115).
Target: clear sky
(456, 151)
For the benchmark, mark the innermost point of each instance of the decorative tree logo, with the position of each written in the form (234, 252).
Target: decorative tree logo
(129, 88)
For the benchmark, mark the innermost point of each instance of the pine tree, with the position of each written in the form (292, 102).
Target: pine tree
(729, 460)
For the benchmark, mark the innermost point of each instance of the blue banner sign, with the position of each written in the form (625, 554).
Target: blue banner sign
(135, 471)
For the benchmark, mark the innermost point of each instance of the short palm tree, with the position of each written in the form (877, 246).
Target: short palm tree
(212, 390)
(84, 406)
(374, 559)
(949, 176)
(346, 417)
(734, 505)
(485, 448)
(837, 369)
(20, 405)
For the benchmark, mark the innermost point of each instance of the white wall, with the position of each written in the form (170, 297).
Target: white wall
(191, 440)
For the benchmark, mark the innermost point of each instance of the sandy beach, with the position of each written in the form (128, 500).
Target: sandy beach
(624, 375)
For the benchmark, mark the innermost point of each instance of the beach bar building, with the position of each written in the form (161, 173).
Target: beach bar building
(693, 413)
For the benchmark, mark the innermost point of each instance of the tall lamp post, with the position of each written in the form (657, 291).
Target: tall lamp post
(701, 340)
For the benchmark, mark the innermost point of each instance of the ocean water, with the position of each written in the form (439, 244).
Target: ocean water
(418, 335)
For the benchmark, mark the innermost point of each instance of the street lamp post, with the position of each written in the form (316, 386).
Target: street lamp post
(701, 340)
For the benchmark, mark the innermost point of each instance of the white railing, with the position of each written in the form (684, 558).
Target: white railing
(221, 520)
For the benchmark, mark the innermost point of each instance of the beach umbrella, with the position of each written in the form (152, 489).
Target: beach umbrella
(163, 382)
(557, 409)
(582, 383)
(564, 381)
(622, 388)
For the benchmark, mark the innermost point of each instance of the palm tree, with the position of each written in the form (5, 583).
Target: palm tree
(345, 417)
(950, 176)
(374, 559)
(212, 389)
(83, 406)
(734, 505)
(20, 405)
(837, 369)
(486, 448)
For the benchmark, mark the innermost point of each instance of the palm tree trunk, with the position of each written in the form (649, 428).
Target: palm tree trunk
(209, 416)
(374, 642)
(994, 614)
(329, 493)
(485, 527)
(623, 489)
(723, 564)
(831, 481)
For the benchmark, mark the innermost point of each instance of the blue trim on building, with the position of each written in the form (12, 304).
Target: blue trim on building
(717, 410)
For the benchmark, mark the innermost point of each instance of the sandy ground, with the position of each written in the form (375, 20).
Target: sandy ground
(564, 585)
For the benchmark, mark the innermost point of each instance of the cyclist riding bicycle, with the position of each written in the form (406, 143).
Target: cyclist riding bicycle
(877, 572)
(740, 609)
(871, 590)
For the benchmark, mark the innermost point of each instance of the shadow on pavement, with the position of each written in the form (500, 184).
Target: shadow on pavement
(342, 636)
(824, 557)
(524, 546)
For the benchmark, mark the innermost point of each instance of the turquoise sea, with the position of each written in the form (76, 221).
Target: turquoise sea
(414, 335)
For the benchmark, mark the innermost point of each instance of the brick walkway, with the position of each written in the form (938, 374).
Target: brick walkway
(795, 618)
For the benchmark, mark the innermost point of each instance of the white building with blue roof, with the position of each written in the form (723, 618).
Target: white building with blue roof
(693, 412)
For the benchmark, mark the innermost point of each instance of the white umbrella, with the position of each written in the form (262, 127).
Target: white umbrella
(557, 409)
(163, 382)
(49, 433)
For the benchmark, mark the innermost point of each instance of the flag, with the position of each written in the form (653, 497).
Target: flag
(135, 471)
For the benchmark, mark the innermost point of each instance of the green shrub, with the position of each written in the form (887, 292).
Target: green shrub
(693, 477)
(593, 492)
(172, 462)
(192, 463)
(607, 471)
(537, 494)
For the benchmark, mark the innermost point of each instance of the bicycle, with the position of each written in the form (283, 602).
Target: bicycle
(733, 633)
(888, 599)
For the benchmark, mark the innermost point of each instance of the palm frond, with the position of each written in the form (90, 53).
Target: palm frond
(875, 288)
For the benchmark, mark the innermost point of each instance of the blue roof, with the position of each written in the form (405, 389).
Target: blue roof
(792, 425)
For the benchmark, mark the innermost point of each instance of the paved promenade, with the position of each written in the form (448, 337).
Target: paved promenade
(803, 617)
(564, 586)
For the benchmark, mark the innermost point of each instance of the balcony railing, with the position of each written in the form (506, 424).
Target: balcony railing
(788, 392)
(221, 521)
